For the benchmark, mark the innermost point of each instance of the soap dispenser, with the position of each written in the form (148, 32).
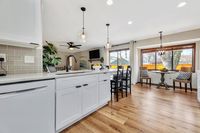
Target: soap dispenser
(2, 70)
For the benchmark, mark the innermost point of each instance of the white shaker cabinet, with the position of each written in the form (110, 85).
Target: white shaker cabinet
(90, 97)
(68, 101)
(68, 107)
(104, 88)
(78, 96)
(20, 22)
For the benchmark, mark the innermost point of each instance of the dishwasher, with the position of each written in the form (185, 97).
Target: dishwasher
(28, 107)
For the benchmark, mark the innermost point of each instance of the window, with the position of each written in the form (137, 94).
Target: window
(119, 57)
(175, 57)
(182, 58)
(149, 60)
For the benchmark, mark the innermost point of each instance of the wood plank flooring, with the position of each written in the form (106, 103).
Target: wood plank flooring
(147, 110)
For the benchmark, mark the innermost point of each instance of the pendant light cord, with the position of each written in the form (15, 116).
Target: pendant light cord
(83, 22)
(161, 42)
(108, 39)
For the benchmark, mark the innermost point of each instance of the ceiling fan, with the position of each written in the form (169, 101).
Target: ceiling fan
(72, 46)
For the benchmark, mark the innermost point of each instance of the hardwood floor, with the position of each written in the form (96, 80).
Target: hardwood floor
(147, 110)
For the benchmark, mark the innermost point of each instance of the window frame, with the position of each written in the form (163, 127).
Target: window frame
(118, 50)
(172, 48)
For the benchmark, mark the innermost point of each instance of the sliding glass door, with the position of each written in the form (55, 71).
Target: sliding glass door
(119, 57)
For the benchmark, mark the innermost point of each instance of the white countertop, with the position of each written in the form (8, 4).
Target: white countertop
(16, 78)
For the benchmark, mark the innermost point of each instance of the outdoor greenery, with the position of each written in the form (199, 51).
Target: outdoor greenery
(171, 60)
(167, 59)
(50, 57)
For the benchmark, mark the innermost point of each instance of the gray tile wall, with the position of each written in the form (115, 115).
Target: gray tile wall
(15, 60)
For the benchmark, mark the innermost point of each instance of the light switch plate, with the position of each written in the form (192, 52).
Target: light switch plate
(29, 59)
(3, 56)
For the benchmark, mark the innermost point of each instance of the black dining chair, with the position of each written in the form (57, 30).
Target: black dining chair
(115, 83)
(126, 80)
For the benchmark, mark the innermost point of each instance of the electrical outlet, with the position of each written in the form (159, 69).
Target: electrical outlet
(3, 56)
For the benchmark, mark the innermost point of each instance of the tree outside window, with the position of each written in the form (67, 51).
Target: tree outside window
(175, 57)
(119, 57)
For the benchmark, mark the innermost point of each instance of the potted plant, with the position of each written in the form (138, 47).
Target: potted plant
(50, 57)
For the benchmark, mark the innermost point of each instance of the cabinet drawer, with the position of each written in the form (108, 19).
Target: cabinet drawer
(64, 83)
(104, 76)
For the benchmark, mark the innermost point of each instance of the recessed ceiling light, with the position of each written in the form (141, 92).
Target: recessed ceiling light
(130, 22)
(109, 2)
(182, 4)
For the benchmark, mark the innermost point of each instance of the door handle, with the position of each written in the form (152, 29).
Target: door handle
(78, 86)
(85, 85)
(105, 80)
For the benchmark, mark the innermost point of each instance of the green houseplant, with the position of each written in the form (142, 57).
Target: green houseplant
(50, 57)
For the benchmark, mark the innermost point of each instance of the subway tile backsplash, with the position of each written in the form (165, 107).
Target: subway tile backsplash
(15, 59)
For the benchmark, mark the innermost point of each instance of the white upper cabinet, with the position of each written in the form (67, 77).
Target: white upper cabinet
(20, 22)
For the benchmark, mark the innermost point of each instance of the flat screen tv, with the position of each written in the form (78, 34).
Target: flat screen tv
(94, 54)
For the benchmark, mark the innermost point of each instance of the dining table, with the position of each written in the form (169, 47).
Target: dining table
(162, 79)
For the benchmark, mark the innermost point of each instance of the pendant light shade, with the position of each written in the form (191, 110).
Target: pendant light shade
(161, 50)
(109, 2)
(108, 45)
(83, 36)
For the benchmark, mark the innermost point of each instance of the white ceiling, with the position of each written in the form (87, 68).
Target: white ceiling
(62, 20)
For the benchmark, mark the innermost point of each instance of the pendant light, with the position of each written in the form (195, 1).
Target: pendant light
(83, 36)
(108, 45)
(161, 50)
(110, 2)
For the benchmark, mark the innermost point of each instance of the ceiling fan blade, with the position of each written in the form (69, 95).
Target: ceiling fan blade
(78, 45)
(70, 43)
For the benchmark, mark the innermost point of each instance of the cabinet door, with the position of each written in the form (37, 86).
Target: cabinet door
(68, 105)
(21, 21)
(104, 92)
(90, 97)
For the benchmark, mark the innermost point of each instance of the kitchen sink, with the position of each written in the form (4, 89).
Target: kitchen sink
(72, 72)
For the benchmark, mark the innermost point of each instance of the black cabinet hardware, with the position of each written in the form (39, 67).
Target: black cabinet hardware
(85, 85)
(78, 86)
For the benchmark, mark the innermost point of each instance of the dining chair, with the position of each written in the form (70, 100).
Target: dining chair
(144, 75)
(115, 83)
(185, 76)
(126, 80)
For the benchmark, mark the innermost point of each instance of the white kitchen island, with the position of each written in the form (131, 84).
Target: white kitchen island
(76, 95)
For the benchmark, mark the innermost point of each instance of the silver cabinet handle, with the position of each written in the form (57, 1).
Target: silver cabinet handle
(14, 93)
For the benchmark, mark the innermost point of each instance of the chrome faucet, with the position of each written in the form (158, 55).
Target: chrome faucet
(68, 64)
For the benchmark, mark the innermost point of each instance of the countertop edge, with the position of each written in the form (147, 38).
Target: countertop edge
(21, 78)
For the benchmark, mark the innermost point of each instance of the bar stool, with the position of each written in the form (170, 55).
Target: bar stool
(126, 80)
(115, 83)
